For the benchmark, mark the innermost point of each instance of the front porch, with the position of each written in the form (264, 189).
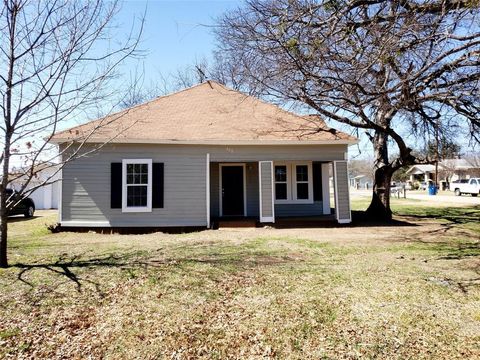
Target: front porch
(280, 222)
(279, 193)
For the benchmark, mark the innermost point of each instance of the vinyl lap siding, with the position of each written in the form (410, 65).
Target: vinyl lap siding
(284, 210)
(214, 189)
(276, 153)
(86, 189)
(253, 201)
(86, 181)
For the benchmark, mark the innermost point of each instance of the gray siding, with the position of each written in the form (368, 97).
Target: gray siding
(277, 152)
(86, 181)
(283, 210)
(266, 187)
(214, 190)
(343, 203)
(86, 188)
(253, 203)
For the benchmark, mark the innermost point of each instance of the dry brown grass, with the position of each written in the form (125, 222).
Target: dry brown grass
(352, 292)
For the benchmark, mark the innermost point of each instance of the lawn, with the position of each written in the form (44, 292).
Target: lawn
(406, 291)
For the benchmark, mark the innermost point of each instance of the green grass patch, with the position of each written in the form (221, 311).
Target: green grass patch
(345, 292)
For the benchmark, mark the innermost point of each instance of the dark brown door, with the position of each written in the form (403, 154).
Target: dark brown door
(232, 191)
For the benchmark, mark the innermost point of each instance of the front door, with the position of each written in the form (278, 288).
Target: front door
(232, 190)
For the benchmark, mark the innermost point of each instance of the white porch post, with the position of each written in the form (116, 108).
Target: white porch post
(208, 190)
(342, 192)
(60, 191)
(326, 188)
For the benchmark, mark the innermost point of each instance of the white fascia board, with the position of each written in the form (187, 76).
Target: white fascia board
(214, 142)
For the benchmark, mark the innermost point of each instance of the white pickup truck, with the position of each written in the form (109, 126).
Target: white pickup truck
(466, 186)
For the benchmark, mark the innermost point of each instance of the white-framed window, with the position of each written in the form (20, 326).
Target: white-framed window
(293, 183)
(136, 185)
(282, 190)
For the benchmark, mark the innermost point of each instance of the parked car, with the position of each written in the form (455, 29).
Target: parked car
(25, 207)
(466, 186)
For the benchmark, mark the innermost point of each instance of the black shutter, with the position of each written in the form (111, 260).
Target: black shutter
(116, 186)
(157, 186)
(317, 182)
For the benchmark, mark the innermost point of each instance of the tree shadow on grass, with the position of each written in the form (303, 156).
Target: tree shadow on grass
(21, 218)
(362, 219)
(453, 215)
(68, 267)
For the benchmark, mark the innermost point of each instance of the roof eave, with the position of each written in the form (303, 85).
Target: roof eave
(216, 142)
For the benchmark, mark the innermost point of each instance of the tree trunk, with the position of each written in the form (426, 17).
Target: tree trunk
(379, 208)
(3, 204)
(3, 231)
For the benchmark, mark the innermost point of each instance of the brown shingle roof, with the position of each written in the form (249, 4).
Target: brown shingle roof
(206, 113)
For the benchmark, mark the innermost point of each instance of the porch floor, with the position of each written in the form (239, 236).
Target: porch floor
(280, 222)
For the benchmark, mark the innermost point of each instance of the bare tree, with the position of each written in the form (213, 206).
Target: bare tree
(391, 68)
(473, 159)
(448, 168)
(58, 63)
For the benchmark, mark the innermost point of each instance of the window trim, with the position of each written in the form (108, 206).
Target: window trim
(292, 182)
(287, 182)
(136, 209)
(309, 182)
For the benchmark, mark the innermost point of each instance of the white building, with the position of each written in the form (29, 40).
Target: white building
(46, 196)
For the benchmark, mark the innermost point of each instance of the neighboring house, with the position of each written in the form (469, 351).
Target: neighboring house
(200, 154)
(361, 182)
(448, 170)
(45, 196)
(422, 173)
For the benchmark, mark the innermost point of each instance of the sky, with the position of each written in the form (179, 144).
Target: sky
(175, 33)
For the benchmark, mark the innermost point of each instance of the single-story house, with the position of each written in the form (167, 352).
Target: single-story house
(361, 182)
(203, 153)
(448, 170)
(421, 172)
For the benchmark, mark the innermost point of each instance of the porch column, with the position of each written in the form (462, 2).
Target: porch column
(326, 188)
(342, 192)
(265, 187)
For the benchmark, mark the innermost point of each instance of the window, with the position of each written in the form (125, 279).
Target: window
(301, 188)
(293, 183)
(137, 185)
(281, 185)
